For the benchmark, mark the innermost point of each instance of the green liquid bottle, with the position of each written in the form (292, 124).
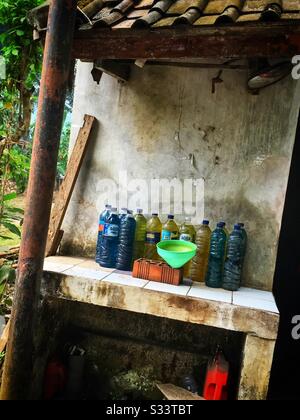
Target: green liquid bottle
(140, 235)
(187, 232)
(200, 261)
(170, 230)
(153, 236)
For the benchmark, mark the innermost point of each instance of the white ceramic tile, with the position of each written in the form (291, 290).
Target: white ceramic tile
(201, 291)
(168, 288)
(125, 280)
(55, 267)
(57, 259)
(253, 303)
(254, 293)
(92, 265)
(125, 273)
(87, 273)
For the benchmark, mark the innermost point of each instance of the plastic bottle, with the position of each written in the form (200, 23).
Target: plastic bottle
(126, 241)
(200, 261)
(187, 232)
(234, 260)
(110, 240)
(140, 235)
(170, 230)
(102, 220)
(153, 236)
(218, 242)
(123, 213)
(245, 238)
(225, 229)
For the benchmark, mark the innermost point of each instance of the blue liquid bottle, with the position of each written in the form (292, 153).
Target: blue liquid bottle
(216, 257)
(110, 240)
(234, 260)
(126, 243)
(245, 240)
(102, 220)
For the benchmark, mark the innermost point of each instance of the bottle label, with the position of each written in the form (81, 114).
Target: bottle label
(111, 230)
(153, 237)
(185, 237)
(101, 227)
(168, 236)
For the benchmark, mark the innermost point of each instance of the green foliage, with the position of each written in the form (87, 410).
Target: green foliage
(22, 55)
(18, 160)
(63, 150)
(7, 277)
(10, 216)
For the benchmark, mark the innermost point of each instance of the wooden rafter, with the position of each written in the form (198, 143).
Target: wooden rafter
(281, 40)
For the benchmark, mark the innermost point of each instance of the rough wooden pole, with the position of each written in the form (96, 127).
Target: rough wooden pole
(16, 383)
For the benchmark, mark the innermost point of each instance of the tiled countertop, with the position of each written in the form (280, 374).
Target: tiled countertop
(88, 269)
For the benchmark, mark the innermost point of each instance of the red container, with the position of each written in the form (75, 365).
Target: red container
(216, 383)
(55, 379)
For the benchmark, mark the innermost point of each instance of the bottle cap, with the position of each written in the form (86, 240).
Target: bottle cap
(114, 209)
(170, 216)
(241, 224)
(237, 227)
(107, 206)
(205, 222)
(220, 225)
(139, 211)
(155, 214)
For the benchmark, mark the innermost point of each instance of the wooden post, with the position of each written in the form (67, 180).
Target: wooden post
(16, 383)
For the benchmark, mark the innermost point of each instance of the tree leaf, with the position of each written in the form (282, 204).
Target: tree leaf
(10, 196)
(4, 273)
(15, 210)
(12, 228)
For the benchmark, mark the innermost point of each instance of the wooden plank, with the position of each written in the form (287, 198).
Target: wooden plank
(4, 337)
(181, 308)
(256, 368)
(65, 192)
(173, 393)
(117, 70)
(277, 40)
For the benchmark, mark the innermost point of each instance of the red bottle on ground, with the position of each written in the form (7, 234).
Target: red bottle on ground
(216, 383)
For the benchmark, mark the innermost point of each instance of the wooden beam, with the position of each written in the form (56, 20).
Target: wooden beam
(65, 192)
(174, 393)
(281, 40)
(117, 70)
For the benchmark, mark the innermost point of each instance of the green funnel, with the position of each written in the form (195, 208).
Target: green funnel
(176, 253)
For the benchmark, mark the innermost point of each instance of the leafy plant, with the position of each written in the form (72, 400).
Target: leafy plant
(9, 216)
(23, 64)
(7, 277)
(64, 149)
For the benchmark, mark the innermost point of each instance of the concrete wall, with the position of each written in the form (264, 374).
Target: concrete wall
(166, 123)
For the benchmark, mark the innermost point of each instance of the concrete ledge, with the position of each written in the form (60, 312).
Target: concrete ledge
(248, 311)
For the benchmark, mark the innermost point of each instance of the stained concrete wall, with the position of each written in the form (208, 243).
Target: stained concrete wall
(166, 123)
